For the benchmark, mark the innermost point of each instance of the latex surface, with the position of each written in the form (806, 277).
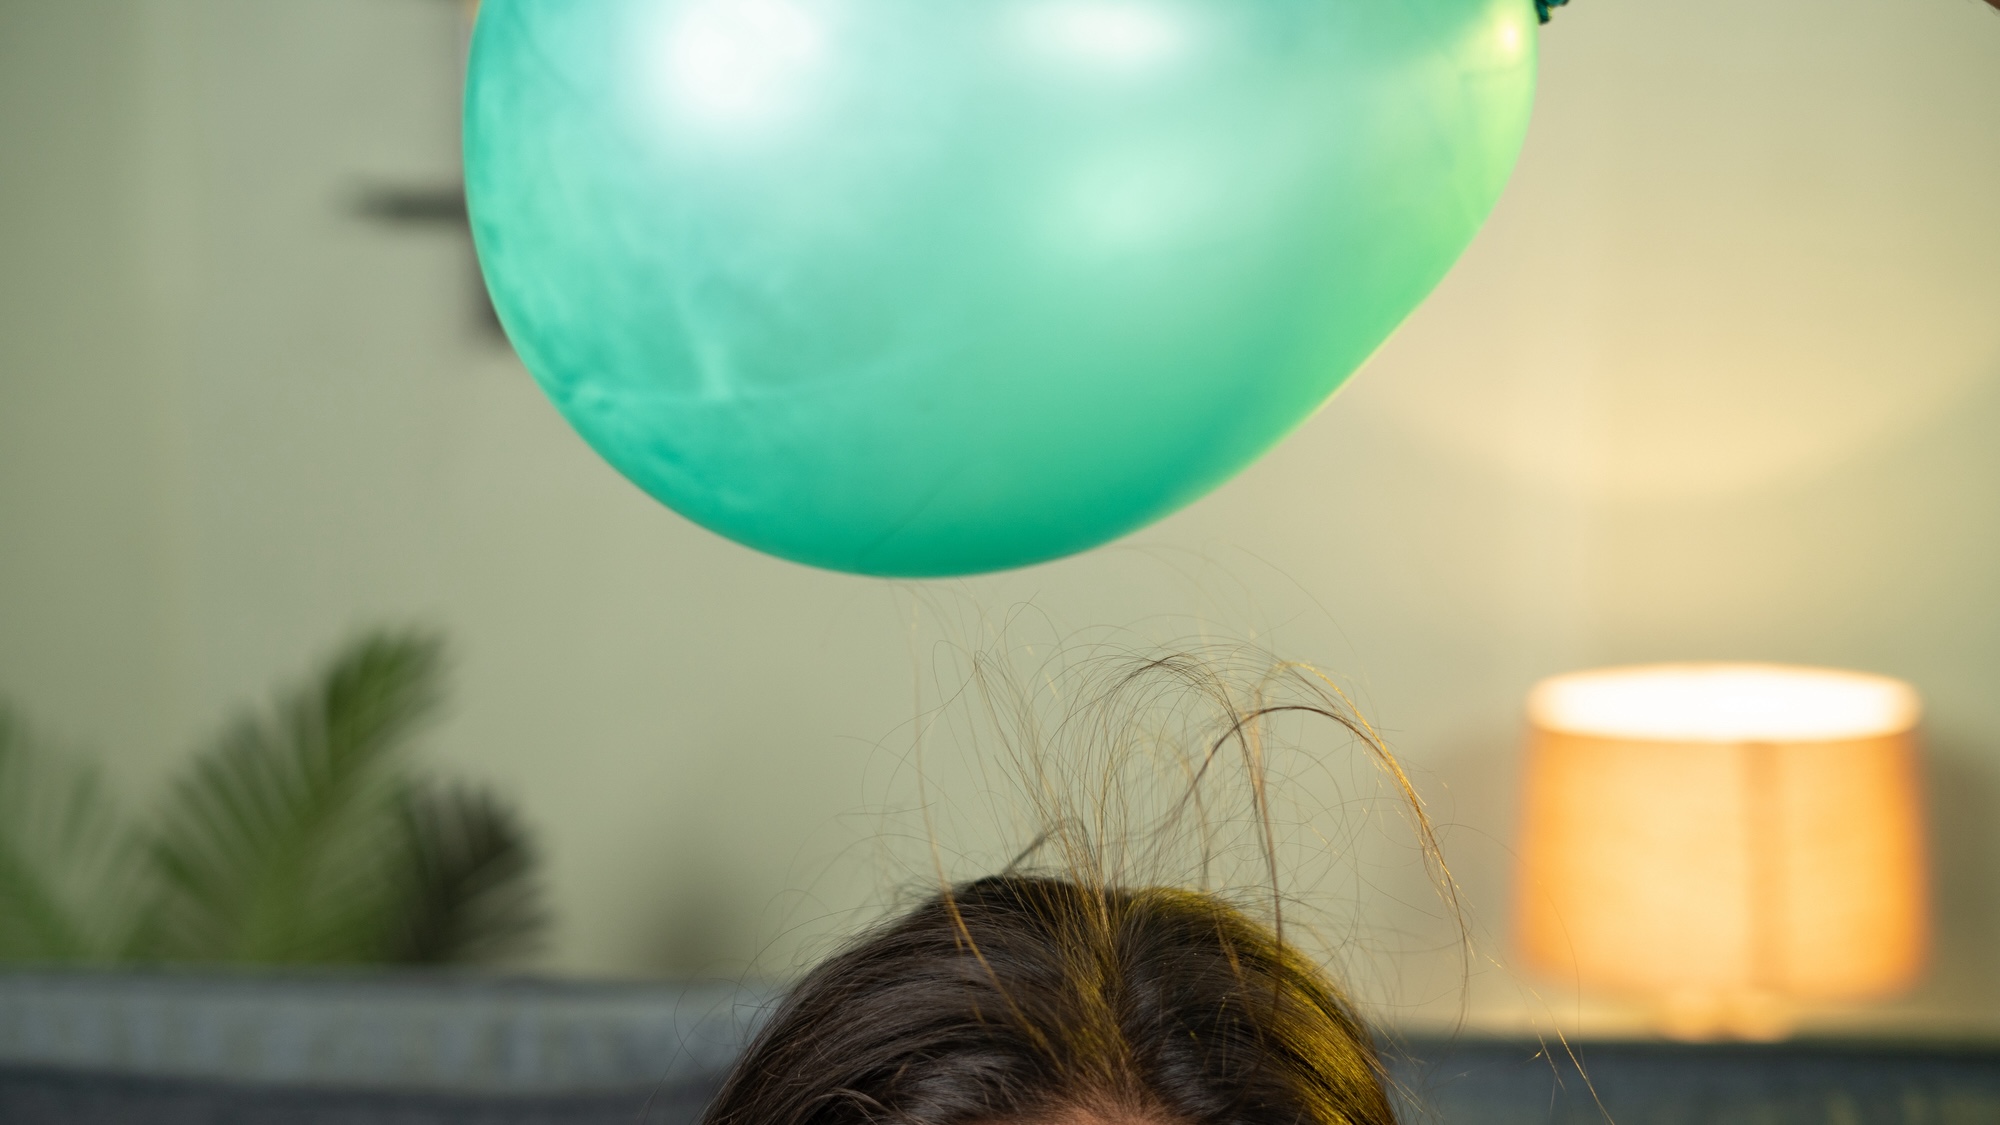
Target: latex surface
(929, 287)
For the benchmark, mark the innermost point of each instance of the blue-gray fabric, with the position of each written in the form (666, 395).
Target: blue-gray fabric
(49, 1096)
(1468, 1081)
(440, 1032)
(371, 1049)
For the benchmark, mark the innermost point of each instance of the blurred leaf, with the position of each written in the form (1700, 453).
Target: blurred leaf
(470, 894)
(66, 864)
(277, 848)
(297, 838)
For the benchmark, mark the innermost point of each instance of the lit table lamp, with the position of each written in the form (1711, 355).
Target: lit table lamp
(1725, 841)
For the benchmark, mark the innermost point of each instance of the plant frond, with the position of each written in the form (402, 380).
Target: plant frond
(273, 849)
(471, 893)
(66, 862)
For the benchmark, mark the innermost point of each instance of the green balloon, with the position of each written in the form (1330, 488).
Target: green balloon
(934, 287)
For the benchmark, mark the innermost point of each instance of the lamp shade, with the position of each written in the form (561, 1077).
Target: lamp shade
(1724, 838)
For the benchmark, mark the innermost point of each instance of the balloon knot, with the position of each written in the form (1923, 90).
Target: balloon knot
(1542, 7)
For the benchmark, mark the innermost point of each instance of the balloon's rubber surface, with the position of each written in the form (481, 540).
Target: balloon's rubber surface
(931, 287)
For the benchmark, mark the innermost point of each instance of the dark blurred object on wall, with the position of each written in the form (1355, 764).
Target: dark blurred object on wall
(440, 209)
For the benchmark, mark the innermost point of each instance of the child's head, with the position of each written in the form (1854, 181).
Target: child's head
(1099, 996)
(1042, 1000)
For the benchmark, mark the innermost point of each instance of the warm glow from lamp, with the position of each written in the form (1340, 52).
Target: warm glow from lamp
(1728, 841)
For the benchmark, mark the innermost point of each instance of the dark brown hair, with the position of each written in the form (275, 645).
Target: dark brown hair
(1019, 997)
(1089, 993)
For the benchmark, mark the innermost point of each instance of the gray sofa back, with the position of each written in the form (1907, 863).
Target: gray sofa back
(400, 1049)
(362, 1048)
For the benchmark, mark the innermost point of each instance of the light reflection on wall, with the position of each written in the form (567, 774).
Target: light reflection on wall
(1733, 289)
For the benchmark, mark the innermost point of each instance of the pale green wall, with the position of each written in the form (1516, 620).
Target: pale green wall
(1721, 379)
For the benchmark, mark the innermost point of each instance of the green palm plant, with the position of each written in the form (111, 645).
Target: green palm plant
(304, 836)
(468, 892)
(66, 859)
